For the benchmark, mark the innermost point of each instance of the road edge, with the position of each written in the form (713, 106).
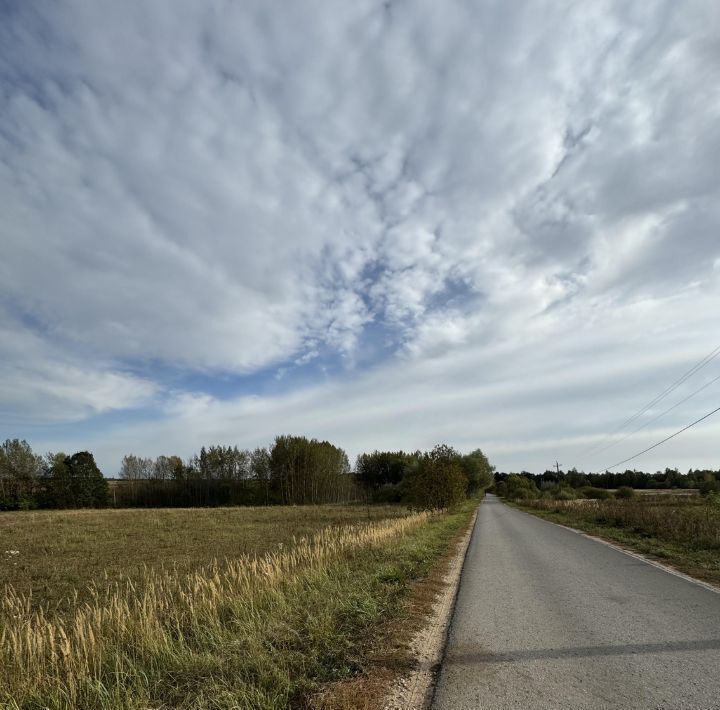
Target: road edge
(628, 551)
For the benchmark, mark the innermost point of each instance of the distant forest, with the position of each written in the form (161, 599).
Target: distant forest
(294, 470)
(705, 480)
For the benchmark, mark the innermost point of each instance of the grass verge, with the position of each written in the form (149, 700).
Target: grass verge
(390, 656)
(257, 633)
(685, 535)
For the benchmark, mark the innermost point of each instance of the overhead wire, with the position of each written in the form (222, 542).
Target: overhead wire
(659, 416)
(659, 443)
(667, 391)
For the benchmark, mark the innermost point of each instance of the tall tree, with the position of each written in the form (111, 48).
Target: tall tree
(89, 486)
(478, 470)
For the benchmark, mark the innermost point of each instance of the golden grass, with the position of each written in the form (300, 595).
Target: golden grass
(62, 552)
(126, 633)
(688, 520)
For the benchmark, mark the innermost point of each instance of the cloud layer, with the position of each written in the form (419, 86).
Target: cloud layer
(388, 223)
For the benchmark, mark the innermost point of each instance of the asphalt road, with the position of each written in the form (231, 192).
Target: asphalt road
(548, 618)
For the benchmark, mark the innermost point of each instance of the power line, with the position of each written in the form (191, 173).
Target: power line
(695, 368)
(654, 446)
(659, 416)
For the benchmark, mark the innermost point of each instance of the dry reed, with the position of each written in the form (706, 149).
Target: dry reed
(127, 628)
(691, 522)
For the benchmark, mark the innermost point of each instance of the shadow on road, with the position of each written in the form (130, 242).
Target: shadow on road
(458, 658)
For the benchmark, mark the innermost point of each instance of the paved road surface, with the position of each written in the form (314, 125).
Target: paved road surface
(547, 618)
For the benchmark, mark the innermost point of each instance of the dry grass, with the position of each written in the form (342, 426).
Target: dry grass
(673, 519)
(257, 631)
(123, 631)
(61, 552)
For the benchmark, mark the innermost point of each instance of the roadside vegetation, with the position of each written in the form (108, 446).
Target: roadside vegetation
(261, 631)
(681, 529)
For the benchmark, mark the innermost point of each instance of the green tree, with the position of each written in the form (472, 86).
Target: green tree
(381, 473)
(709, 484)
(20, 471)
(438, 481)
(306, 471)
(478, 470)
(88, 488)
(517, 487)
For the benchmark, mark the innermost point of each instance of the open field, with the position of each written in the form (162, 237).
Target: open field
(60, 552)
(682, 530)
(255, 632)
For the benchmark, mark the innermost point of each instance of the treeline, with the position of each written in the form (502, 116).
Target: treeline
(30, 481)
(574, 483)
(294, 470)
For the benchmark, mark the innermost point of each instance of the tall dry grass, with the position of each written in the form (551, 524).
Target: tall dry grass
(692, 522)
(111, 649)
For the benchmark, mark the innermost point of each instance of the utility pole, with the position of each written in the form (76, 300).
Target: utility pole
(557, 468)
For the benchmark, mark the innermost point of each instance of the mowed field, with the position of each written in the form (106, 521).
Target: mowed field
(55, 556)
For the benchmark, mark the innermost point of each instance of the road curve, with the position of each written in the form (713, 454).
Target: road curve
(547, 618)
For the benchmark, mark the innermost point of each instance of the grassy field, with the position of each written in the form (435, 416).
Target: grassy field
(682, 530)
(250, 632)
(59, 553)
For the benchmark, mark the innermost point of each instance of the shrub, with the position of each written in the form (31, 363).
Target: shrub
(520, 488)
(625, 492)
(563, 493)
(595, 493)
(709, 485)
(438, 481)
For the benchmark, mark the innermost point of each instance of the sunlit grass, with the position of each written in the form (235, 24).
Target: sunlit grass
(258, 631)
(60, 552)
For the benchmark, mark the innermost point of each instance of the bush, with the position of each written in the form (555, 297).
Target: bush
(563, 493)
(438, 481)
(595, 493)
(519, 488)
(709, 485)
(625, 492)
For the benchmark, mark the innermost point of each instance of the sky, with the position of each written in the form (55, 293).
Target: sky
(385, 224)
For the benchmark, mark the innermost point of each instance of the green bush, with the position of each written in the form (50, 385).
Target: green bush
(563, 493)
(438, 481)
(595, 493)
(520, 488)
(625, 492)
(709, 485)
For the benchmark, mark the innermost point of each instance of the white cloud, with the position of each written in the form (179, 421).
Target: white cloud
(222, 188)
(39, 386)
